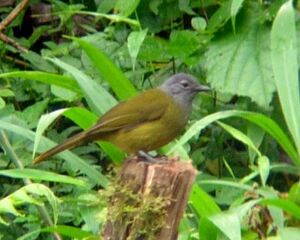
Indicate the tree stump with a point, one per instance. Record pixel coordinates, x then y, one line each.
148 200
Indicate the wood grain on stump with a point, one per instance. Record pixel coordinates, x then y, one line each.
149 200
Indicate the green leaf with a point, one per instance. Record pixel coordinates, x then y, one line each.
240 64
285 67
112 17
225 183
264 168
32 113
198 23
62 93
205 207
6 93
99 100
126 7
207 230
228 223
134 43
294 193
240 136
43 124
41 175
109 71
183 43
38 61
235 7
220 17
21 196
259 119
74 161
256 135
2 103
286 205
289 233
44 77
68 231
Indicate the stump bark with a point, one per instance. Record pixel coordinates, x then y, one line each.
148 200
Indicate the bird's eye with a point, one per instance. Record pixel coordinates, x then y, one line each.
184 83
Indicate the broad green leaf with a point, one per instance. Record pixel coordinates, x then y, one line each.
109 71
41 175
126 7
99 100
134 43
285 67
259 119
154 49
43 124
237 134
240 64
44 77
264 169
206 207
183 43
74 161
106 5
228 223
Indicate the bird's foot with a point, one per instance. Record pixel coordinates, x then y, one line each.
148 158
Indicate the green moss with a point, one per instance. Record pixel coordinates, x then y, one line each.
140 216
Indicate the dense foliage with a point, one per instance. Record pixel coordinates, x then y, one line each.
85 56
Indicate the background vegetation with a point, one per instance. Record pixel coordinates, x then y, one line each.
70 61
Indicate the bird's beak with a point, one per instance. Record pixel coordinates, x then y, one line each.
202 88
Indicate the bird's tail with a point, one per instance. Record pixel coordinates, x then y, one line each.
67 144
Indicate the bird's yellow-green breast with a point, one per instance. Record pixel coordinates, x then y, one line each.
157 120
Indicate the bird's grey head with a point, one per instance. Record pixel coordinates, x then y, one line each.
183 87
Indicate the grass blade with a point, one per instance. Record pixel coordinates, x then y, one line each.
259 119
99 100
41 175
44 77
109 71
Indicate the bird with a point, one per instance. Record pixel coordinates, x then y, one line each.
143 123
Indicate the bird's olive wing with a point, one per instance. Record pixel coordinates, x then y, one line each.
148 106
